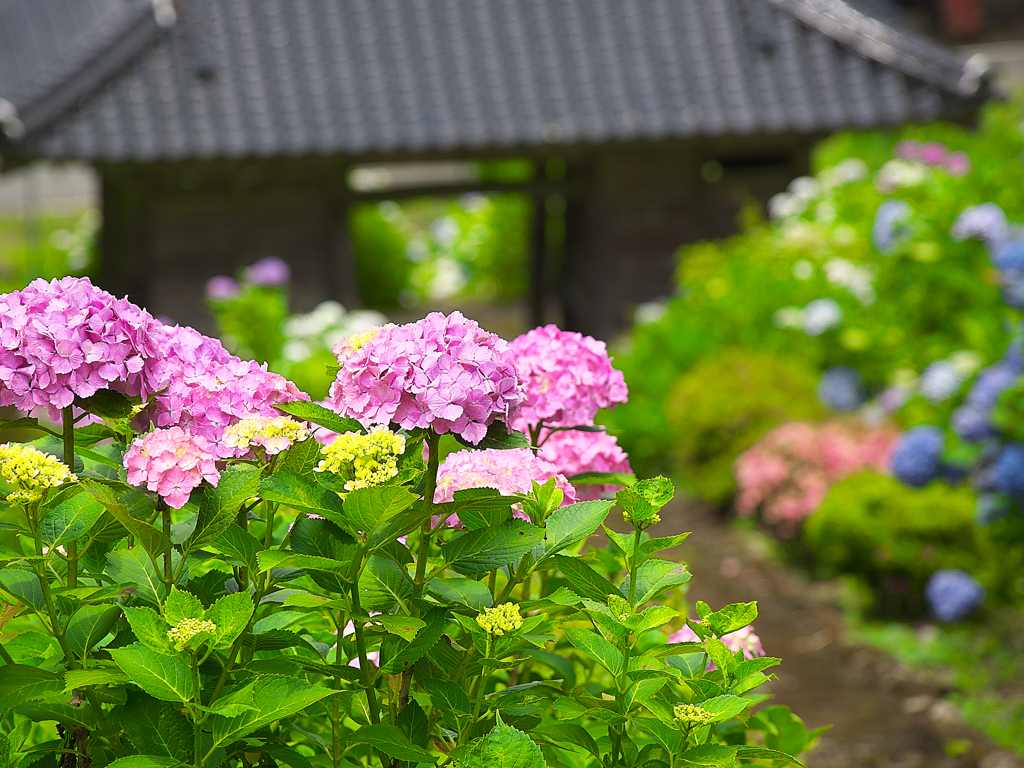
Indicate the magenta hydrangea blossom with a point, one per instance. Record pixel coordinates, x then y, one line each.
510 472
568 376
67 338
271 272
222 288
172 463
204 388
573 452
741 640
443 373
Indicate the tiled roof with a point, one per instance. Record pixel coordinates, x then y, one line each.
236 78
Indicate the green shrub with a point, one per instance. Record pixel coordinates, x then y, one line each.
894 537
725 404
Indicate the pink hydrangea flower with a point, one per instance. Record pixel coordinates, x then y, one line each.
443 373
788 472
204 388
171 462
67 338
573 452
271 272
510 472
222 288
742 639
568 376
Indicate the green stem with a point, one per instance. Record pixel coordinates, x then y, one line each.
69 459
339 623
268 536
492 582
480 689
165 518
632 567
197 729
5 655
364 664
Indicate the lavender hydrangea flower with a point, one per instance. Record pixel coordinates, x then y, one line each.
940 381
890 228
1008 470
821 315
972 420
917 458
953 594
271 272
985 222
841 388
989 508
222 288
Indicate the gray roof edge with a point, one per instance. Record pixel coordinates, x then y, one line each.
138 32
905 51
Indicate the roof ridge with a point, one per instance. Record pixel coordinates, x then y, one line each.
907 51
112 52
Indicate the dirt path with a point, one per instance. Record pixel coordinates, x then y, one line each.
883 716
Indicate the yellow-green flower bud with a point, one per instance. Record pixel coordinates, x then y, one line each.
372 458
187 629
500 619
691 714
31 472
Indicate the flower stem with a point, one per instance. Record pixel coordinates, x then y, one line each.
197 728
69 459
5 655
364 664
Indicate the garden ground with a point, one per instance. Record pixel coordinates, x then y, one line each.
884 714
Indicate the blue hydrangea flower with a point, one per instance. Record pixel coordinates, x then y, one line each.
1009 254
953 594
917 458
989 508
890 226
841 388
1011 287
985 222
972 420
1008 471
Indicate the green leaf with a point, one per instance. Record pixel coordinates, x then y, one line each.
488 549
456 589
405 627
273 698
82 678
150 629
317 414
725 707
240 545
64 714
450 699
301 458
595 647
89 625
145 761
24 585
25 422
732 617
657 490
720 654
370 508
752 666
763 753
573 523
182 605
709 755
70 519
390 740
637 509
652 618
603 478
585 581
20 683
413 722
107 404
397 655
277 558
560 734
478 508
503 747
669 738
651 546
322 538
642 690
383 584
118 504
231 614
219 505
499 438
162 677
306 495
654 577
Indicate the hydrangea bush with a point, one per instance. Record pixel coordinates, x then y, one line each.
190 579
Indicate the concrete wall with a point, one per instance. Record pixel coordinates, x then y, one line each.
48 188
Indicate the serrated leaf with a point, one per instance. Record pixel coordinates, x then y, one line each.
107 404
751 666
503 747
231 614
651 618
413 722
20 682
81 678
367 509
70 519
669 738
595 647
118 504
455 589
89 625
653 577
406 627
162 677
560 734
301 458
145 761
732 617
720 655
478 508
150 629
383 584
274 697
390 740
134 567
570 524
24 585
585 581
398 655
219 505
725 707
322 538
240 545
307 411
709 756
182 605
641 691
499 437
485 550
763 753
65 714
278 558
450 699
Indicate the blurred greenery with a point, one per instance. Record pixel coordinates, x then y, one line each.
46 246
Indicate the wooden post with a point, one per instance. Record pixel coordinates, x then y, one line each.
343 279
